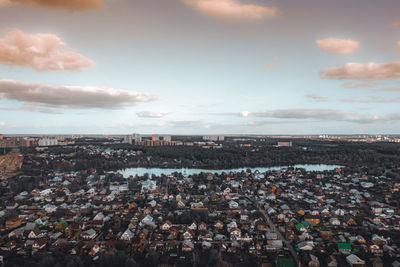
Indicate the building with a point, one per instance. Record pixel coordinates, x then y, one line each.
285 144
48 142
132 138
214 138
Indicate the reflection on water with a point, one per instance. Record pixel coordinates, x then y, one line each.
158 171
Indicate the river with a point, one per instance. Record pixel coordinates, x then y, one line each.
158 171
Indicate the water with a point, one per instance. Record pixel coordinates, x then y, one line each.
158 171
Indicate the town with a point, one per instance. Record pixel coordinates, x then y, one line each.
56 209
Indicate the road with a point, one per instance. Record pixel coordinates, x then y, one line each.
274 229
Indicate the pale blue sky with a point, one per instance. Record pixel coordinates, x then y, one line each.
206 69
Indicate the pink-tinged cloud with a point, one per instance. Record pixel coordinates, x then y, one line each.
73 97
70 5
398 45
360 71
316 97
42 52
232 9
395 24
277 61
338 46
358 85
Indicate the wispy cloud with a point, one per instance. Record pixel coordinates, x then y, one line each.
42 52
32 108
316 97
152 114
360 71
372 100
390 89
319 114
70 5
232 9
398 45
338 46
327 114
2 123
76 97
277 61
358 85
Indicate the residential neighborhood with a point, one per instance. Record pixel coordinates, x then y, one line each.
288 217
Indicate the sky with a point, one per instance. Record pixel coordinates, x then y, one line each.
199 67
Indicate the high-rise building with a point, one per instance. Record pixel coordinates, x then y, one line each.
132 138
213 138
48 142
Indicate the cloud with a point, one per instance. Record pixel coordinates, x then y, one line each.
277 61
2 123
75 97
398 45
372 100
394 24
316 97
232 9
70 5
338 46
152 114
358 85
391 89
317 114
42 52
32 108
326 114
360 71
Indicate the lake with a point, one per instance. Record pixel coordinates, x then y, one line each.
158 171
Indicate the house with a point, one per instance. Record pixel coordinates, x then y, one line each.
233 205
181 204
39 243
334 221
353 260
188 234
235 233
332 262
193 226
313 262
94 250
375 249
202 226
325 233
274 245
127 235
218 225
13 223
35 233
312 219
187 245
376 262
306 245
166 225
344 247
89 234
378 240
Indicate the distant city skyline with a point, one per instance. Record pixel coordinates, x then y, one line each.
204 67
